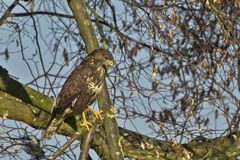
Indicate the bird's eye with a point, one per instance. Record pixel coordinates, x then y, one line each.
107 58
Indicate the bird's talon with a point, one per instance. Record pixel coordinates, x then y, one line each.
98 114
86 124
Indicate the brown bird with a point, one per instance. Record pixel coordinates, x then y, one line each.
80 90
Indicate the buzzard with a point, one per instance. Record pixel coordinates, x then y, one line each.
81 89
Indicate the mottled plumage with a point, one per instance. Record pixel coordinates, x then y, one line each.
81 88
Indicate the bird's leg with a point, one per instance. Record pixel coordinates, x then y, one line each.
85 123
97 114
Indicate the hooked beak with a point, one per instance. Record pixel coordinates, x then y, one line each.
109 63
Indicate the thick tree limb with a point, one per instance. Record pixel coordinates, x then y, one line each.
110 125
34 111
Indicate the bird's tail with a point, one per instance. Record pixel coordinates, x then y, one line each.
55 122
52 126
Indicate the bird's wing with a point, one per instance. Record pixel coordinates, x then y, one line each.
72 88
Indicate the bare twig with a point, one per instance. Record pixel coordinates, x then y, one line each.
85 145
65 146
7 12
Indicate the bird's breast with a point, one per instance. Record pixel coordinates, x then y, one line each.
95 82
94 86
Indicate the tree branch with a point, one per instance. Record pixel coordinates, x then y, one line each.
65 146
82 18
85 145
3 19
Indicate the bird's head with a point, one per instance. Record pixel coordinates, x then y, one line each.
103 57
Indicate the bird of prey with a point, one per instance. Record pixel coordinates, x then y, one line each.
81 89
